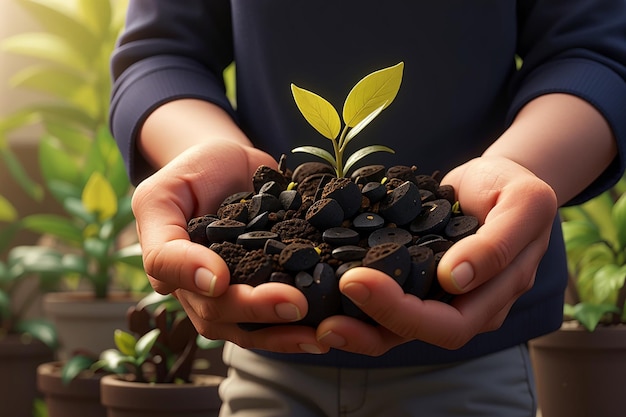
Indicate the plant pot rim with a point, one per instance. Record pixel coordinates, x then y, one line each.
89 296
65 303
86 385
573 335
116 391
19 344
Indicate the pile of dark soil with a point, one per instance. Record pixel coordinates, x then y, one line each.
307 227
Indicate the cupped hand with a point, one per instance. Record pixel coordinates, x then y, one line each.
488 271
194 184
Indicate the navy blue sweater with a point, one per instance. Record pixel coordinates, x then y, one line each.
460 90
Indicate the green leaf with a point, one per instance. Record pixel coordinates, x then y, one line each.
99 197
608 279
74 366
204 343
65 23
318 112
56 164
153 298
47 47
106 158
42 330
130 255
589 315
18 172
70 138
75 263
15 121
619 219
125 342
580 234
67 113
96 15
36 260
113 361
55 81
8 213
363 152
124 216
361 125
74 206
145 344
54 225
97 248
598 211
374 90
319 152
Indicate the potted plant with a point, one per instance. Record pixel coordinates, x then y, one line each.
159 348
87 250
25 341
580 367
151 370
92 245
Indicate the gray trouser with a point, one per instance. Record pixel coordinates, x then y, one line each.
496 385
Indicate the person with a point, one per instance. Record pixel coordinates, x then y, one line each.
521 104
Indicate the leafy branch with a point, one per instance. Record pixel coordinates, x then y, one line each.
367 99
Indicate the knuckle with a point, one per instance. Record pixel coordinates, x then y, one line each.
501 253
207 311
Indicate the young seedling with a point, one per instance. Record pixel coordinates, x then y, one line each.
366 100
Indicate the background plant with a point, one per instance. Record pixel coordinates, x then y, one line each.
595 240
13 318
78 159
370 96
160 345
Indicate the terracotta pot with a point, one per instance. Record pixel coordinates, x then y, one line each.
19 357
580 373
79 398
123 398
84 322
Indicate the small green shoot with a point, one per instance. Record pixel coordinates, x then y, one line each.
370 96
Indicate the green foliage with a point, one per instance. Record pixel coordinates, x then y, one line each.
160 346
370 96
70 71
12 315
97 202
79 161
595 240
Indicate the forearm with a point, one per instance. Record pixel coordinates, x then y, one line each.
562 139
178 125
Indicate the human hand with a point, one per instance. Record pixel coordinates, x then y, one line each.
193 184
488 270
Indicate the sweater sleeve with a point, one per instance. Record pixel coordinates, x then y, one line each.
169 50
576 47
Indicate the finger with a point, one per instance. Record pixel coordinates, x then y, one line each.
165 202
266 303
276 338
169 257
355 336
512 223
446 325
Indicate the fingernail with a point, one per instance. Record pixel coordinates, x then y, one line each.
287 311
205 281
462 275
332 339
308 348
358 293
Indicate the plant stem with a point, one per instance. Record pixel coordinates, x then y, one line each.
339 147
